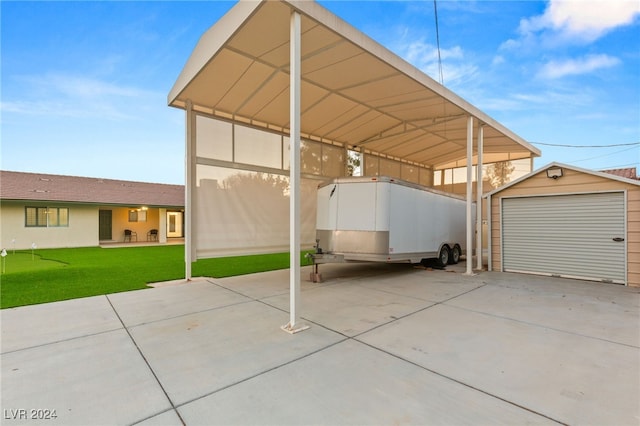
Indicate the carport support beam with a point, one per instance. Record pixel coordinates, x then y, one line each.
479 198
190 180
294 177
469 261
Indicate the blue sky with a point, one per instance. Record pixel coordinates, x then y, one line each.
84 84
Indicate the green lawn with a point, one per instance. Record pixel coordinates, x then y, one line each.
59 274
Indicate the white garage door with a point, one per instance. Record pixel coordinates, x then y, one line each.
578 236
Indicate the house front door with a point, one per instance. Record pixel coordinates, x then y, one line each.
104 225
174 224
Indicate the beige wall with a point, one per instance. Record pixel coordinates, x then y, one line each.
461 188
81 232
633 237
83 229
120 222
574 182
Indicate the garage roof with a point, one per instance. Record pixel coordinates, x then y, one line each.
602 174
355 92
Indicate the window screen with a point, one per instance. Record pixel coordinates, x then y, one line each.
137 215
257 147
46 216
214 139
35 216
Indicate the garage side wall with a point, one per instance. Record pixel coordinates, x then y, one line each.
633 237
573 182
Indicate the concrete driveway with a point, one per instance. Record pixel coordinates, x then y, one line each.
388 344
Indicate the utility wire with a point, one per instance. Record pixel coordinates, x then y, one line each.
603 155
587 146
619 166
435 9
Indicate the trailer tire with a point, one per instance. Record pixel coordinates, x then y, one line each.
443 256
454 257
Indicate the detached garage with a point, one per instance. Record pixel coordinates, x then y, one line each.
568 222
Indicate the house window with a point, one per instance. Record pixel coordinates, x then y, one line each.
46 216
35 216
137 215
58 216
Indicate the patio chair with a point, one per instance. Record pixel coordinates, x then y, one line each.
152 235
128 233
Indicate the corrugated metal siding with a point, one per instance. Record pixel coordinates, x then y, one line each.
566 235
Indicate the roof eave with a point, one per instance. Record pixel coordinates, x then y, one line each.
564 166
91 203
209 45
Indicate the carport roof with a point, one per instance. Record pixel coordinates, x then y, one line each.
355 92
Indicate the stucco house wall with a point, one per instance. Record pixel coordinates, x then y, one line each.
84 198
82 230
120 217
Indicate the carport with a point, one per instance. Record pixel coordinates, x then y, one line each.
277 76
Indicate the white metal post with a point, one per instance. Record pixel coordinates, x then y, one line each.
469 262
190 180
294 176
479 198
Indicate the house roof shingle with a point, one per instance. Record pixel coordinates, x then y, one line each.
75 189
629 173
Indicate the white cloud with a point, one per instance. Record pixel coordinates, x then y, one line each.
500 104
498 60
582 20
66 108
419 52
564 98
543 100
72 86
587 64
424 56
76 96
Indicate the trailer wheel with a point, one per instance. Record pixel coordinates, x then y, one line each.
443 256
455 255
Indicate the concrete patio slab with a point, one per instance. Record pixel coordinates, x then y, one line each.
387 343
428 285
606 312
257 286
352 383
143 306
168 418
93 380
37 325
273 283
336 272
195 355
349 308
573 379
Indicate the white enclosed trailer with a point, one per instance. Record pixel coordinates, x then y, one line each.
382 219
